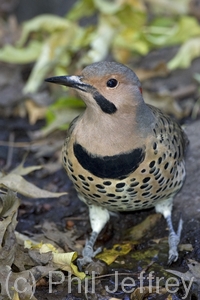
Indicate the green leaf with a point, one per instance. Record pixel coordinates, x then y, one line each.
30 53
81 9
59 119
167 31
63 103
188 51
43 23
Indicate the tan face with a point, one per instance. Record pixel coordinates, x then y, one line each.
116 88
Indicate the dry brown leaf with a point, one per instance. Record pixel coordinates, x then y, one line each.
192 274
160 70
64 239
140 230
24 281
17 183
141 293
35 111
166 102
8 214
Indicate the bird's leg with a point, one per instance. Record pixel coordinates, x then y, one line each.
99 216
165 208
174 239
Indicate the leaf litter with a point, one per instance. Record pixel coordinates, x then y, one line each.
14 181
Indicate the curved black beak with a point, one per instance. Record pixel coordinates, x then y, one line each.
70 81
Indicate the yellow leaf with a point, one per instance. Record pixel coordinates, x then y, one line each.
63 261
48 247
15 296
110 255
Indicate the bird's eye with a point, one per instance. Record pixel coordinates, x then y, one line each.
111 83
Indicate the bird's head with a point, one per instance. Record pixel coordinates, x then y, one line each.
108 86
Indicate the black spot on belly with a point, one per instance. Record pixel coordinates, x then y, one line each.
69 161
156 172
116 166
125 200
154 146
134 184
132 179
152 163
107 182
119 190
101 191
86 188
166 166
100 186
146 179
132 193
152 170
146 194
96 195
81 177
74 177
120 184
144 186
72 170
130 190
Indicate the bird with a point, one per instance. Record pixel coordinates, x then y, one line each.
121 154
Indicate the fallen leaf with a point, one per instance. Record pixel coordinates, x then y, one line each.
21 170
11 54
63 261
141 293
9 204
64 239
62 120
159 70
47 22
110 255
15 182
192 274
140 230
18 184
187 52
178 7
165 101
25 282
35 111
185 247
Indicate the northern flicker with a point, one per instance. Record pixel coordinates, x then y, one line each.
121 153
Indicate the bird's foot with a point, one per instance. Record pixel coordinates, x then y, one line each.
88 255
174 239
